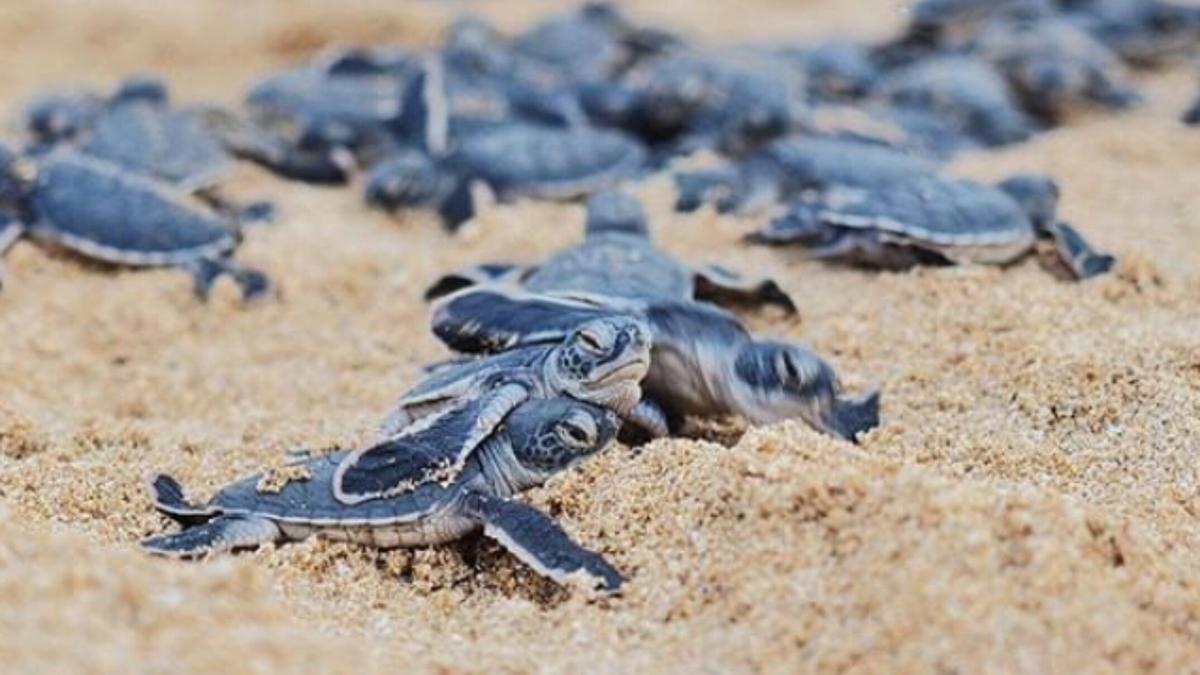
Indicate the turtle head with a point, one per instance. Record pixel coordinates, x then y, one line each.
145 88
613 211
58 117
409 179
780 381
549 435
603 361
1036 194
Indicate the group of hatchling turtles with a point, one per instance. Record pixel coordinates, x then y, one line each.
838 143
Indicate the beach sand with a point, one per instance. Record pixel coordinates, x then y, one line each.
1030 504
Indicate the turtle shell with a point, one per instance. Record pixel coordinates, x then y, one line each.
148 138
548 163
311 501
820 163
962 220
95 208
613 264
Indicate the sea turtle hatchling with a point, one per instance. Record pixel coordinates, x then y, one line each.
793 167
538 439
1056 67
934 220
703 362
140 131
601 362
617 259
96 209
1142 32
513 161
967 93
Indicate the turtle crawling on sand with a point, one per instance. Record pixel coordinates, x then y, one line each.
537 440
703 363
100 211
794 166
618 260
934 220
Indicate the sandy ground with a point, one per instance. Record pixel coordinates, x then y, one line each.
1029 505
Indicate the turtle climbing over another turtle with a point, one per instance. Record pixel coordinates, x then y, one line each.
601 361
796 166
618 260
1056 67
537 440
967 93
703 361
100 211
934 220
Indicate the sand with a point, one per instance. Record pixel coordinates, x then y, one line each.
1030 503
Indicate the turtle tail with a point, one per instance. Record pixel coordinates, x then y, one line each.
170 500
851 417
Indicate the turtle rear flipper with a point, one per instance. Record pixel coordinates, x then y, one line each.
219 535
539 542
171 500
206 271
1076 253
722 286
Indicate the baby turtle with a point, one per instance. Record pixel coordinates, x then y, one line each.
1142 32
96 209
793 167
1056 67
947 26
836 70
967 93
538 440
703 362
618 260
513 161
933 220
600 362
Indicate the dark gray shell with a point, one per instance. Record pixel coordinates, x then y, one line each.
615 265
817 163
1142 32
155 140
96 209
548 163
311 501
967 93
962 220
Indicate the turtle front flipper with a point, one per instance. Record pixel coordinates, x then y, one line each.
11 230
171 501
432 450
479 275
1076 253
649 418
206 271
722 286
487 320
219 535
539 542
851 417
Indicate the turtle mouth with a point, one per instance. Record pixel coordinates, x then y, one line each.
633 370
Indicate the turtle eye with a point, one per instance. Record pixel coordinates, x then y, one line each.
591 342
578 433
